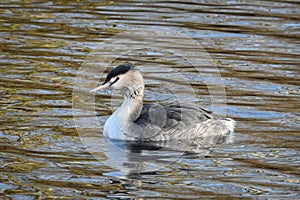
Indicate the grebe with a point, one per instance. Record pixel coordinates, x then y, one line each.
134 121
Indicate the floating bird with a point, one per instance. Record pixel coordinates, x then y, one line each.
164 121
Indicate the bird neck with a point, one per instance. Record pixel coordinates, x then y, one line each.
132 105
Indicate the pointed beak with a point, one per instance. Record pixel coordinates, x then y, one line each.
101 87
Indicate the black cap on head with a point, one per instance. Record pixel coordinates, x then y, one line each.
121 69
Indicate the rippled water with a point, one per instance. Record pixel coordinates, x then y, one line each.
253 44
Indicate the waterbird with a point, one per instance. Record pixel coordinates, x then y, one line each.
164 121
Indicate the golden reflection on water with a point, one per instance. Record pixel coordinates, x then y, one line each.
254 44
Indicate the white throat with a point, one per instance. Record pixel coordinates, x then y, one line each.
132 105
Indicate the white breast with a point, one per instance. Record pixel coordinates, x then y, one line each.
112 129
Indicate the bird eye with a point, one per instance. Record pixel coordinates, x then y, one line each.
116 79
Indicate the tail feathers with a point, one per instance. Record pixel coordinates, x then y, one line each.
218 131
230 124
228 135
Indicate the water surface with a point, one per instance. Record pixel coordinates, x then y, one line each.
255 46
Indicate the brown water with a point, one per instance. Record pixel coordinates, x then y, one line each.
253 44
